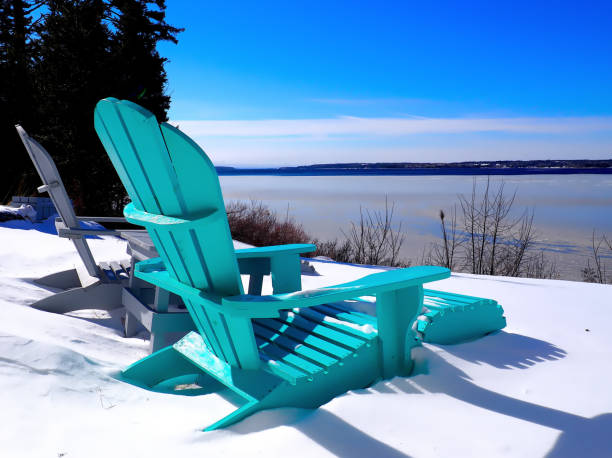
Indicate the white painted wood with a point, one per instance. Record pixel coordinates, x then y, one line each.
101 296
52 184
66 279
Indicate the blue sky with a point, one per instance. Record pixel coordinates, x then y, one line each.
282 83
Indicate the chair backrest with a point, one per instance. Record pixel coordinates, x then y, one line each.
53 185
166 173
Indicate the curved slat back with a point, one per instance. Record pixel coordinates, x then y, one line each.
136 148
50 177
45 166
166 173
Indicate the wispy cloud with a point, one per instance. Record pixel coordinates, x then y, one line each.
372 101
354 126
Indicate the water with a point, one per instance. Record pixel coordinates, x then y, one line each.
567 208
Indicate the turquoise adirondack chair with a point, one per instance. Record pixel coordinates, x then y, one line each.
291 348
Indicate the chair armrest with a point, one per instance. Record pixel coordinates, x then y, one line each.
77 233
146 219
281 261
154 271
366 286
103 219
245 305
275 250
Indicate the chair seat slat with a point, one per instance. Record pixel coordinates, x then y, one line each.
334 323
312 326
277 353
294 346
323 345
337 311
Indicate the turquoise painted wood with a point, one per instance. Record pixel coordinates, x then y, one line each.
450 318
281 262
291 348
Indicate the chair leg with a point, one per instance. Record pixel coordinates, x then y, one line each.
65 279
255 283
286 273
169 363
396 311
161 300
242 412
158 341
102 296
132 326
162 365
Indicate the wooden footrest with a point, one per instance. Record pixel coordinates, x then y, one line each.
450 318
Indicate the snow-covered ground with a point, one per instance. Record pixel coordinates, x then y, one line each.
541 387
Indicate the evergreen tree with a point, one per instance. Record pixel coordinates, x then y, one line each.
139 25
16 96
72 74
84 50
89 50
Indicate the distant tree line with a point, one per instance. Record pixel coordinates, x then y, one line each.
487 166
57 59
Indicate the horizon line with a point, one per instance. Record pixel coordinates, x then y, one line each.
321 164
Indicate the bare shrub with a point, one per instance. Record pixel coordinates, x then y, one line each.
445 254
597 273
340 251
513 253
496 243
258 225
486 239
373 240
540 266
589 274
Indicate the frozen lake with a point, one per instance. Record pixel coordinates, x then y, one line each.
567 208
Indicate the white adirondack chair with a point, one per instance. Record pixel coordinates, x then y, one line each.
92 286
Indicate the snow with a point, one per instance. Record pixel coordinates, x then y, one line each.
541 387
22 212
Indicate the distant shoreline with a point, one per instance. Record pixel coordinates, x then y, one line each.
296 171
532 167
